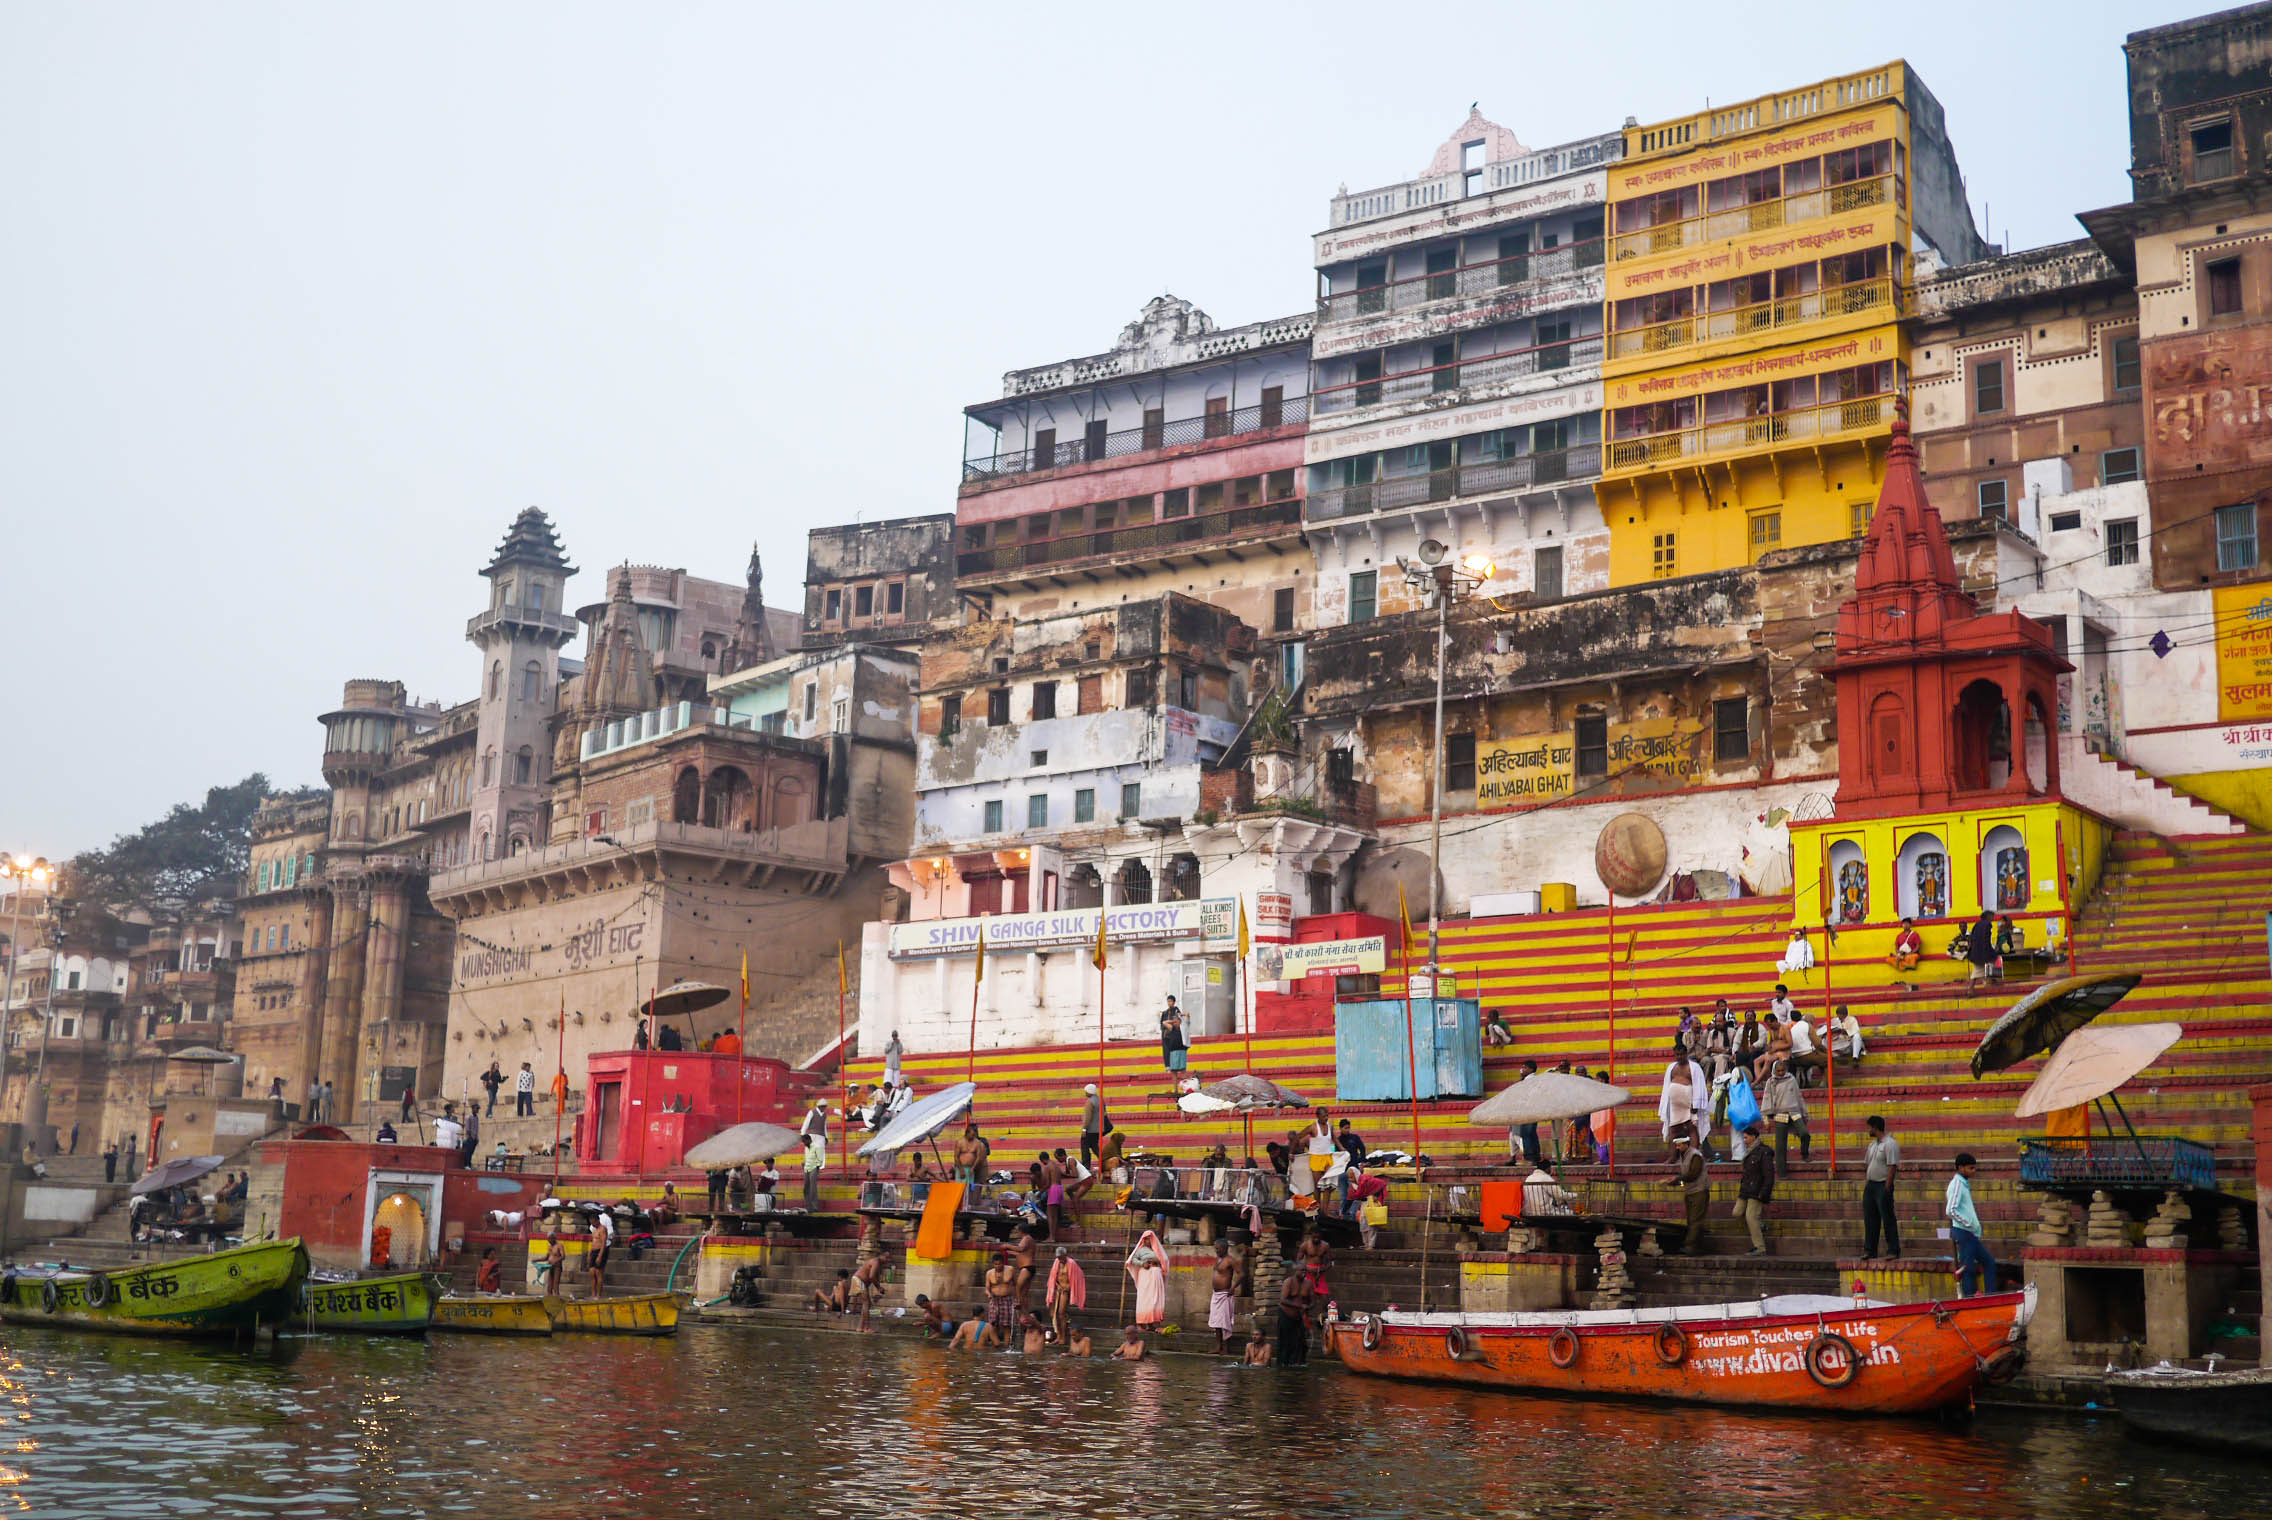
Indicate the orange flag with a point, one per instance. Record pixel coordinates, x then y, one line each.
842 985
1096 957
1404 913
1246 941
745 978
981 976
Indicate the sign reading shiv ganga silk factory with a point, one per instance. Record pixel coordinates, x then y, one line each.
1213 921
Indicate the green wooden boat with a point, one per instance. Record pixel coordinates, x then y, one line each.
399 1305
232 1292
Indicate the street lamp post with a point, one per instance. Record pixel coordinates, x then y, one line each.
19 874
1448 581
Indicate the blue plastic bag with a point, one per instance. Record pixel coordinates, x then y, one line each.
1743 1108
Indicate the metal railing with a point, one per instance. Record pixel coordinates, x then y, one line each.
1481 478
1466 280
1745 434
1759 216
1227 423
1488 370
1859 299
1137 539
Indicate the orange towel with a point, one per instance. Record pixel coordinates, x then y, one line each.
1502 1204
2068 1123
935 1236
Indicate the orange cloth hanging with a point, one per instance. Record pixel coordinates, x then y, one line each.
2068 1123
935 1236
1502 1204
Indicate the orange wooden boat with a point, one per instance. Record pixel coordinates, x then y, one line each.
1798 1351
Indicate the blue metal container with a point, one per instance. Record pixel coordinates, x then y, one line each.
1370 1053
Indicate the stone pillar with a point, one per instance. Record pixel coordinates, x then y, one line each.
307 1065
343 992
384 941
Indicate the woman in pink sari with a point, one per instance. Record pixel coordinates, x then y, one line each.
1068 1290
1147 1267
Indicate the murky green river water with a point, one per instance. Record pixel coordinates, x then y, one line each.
764 1423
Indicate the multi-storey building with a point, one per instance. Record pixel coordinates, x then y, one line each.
1170 463
1456 372
880 583
2196 236
1759 262
1117 759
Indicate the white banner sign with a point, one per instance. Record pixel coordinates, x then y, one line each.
1330 957
1213 921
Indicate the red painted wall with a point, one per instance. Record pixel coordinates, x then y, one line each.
326 1183
650 1137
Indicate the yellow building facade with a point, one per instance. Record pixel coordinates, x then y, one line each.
1759 260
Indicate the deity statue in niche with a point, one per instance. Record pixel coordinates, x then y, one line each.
1853 892
2011 878
1932 885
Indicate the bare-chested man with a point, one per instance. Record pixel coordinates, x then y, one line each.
1257 1349
1108 1155
1052 1187
1131 1347
1078 1343
1311 1262
1036 1342
970 1161
1222 1301
1022 1258
1001 1298
867 1281
974 1333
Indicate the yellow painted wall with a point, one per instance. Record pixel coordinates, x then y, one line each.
2247 795
2043 826
1710 517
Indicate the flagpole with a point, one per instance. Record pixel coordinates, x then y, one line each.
1612 960
1412 1060
844 1143
1099 959
559 1103
1829 1046
1245 973
971 1075
741 1038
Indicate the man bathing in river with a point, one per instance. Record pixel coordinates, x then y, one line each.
1078 1344
1131 1347
1257 1349
1222 1302
975 1333
1035 1341
1001 1299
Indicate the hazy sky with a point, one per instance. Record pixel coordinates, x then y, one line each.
300 304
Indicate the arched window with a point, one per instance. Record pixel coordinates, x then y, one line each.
686 796
1921 877
2004 882
532 680
524 766
1850 881
496 678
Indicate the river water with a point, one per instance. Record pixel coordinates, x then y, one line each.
776 1422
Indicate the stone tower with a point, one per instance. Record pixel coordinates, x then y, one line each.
520 638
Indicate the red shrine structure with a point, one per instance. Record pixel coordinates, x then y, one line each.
1948 800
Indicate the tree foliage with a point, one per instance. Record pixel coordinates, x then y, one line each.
193 854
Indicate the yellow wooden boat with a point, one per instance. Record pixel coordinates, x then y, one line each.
233 1292
493 1314
633 1314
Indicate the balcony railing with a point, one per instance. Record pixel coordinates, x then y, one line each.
1863 298
1140 539
556 624
1482 478
1742 435
1142 440
1467 280
1760 216
1415 383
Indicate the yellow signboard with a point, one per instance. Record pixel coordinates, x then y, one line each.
2244 652
1746 155
1798 242
1842 352
1541 767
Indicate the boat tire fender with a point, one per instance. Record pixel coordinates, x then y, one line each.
1457 1346
1562 1347
1371 1338
96 1289
1820 1365
1672 1345
2004 1365
48 1297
